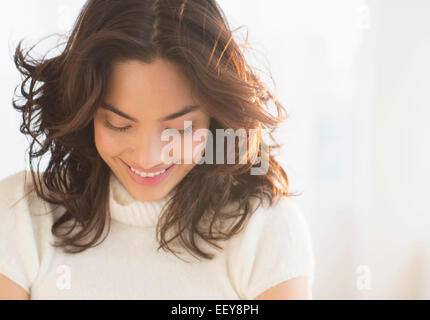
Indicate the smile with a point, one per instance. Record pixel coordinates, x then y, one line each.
152 178
151 174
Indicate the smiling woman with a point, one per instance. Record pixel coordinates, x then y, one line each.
153 97
131 70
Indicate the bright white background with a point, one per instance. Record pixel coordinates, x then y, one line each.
354 76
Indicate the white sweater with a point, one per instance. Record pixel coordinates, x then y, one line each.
274 246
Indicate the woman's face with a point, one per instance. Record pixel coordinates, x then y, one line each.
142 100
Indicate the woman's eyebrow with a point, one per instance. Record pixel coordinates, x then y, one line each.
117 111
185 110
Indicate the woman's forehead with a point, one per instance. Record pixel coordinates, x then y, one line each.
157 89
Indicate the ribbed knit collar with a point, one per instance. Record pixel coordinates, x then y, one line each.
126 209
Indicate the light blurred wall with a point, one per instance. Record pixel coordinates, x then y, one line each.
30 20
394 237
354 78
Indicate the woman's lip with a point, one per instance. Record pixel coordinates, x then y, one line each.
148 180
146 171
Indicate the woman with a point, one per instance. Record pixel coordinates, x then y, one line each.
131 112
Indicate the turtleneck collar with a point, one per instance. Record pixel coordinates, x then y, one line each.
126 209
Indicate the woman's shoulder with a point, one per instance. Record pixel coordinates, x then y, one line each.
275 245
15 186
18 198
284 213
24 229
277 223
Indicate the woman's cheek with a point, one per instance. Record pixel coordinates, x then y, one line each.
108 142
193 149
187 148
180 150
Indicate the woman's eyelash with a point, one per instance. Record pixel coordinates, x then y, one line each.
185 130
122 129
116 128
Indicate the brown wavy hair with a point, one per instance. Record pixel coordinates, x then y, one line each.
57 114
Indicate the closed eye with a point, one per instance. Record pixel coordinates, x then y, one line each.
122 129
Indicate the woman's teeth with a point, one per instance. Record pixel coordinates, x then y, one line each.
148 175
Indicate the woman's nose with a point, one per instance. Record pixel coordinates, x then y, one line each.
148 150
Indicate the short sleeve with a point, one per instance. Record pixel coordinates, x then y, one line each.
18 248
275 246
